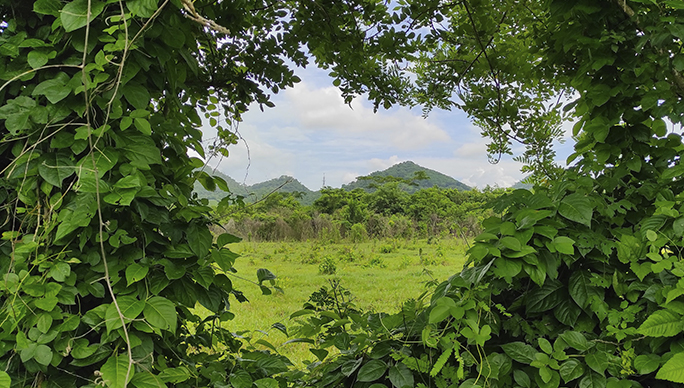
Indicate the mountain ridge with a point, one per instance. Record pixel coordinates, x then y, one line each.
287 184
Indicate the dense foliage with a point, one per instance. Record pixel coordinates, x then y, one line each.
387 212
105 252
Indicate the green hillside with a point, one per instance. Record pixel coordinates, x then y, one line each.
407 170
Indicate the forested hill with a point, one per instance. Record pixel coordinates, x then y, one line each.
407 170
284 184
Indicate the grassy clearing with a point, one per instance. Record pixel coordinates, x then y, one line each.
380 274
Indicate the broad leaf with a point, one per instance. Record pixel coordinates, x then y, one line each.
115 369
520 352
545 298
76 14
400 376
570 370
160 313
576 207
147 380
5 380
581 289
135 273
662 323
673 370
371 371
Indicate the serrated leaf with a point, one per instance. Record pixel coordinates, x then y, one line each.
662 323
576 207
114 371
371 371
160 313
673 370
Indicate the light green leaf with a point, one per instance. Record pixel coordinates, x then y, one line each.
662 323
597 361
5 380
161 313
646 363
75 14
130 307
593 380
54 89
147 380
175 375
564 245
137 95
673 370
371 371
266 383
43 355
47 303
576 340
143 126
114 371
37 58
576 207
135 273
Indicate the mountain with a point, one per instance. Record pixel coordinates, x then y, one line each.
284 184
407 170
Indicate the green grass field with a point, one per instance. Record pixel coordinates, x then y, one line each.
380 274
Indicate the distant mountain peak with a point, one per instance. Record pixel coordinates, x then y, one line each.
407 170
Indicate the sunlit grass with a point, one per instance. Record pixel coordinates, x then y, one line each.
379 281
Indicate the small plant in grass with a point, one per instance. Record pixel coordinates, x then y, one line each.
328 266
376 262
350 255
358 233
387 248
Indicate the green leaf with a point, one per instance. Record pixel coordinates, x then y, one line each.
570 370
137 95
351 366
238 379
576 340
143 126
522 378
520 352
567 312
673 370
175 375
199 240
114 371
54 89
130 307
266 383
545 345
597 361
75 14
544 298
47 7
662 323
43 355
581 290
160 313
5 380
48 303
147 380
400 376
646 363
263 274
135 273
576 207
593 380
371 371
37 58
511 243
55 169
441 309
227 238
564 245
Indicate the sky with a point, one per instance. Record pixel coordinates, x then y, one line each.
312 135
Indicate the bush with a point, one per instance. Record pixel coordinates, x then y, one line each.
328 266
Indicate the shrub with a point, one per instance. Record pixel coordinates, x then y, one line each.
328 266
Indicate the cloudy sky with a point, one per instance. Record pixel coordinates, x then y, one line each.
312 134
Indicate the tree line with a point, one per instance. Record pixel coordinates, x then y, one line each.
359 215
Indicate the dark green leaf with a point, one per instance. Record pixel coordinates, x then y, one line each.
545 298
646 363
199 240
76 14
520 352
400 376
371 371
160 313
263 274
570 370
47 7
145 379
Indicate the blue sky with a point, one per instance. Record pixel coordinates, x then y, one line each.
311 133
